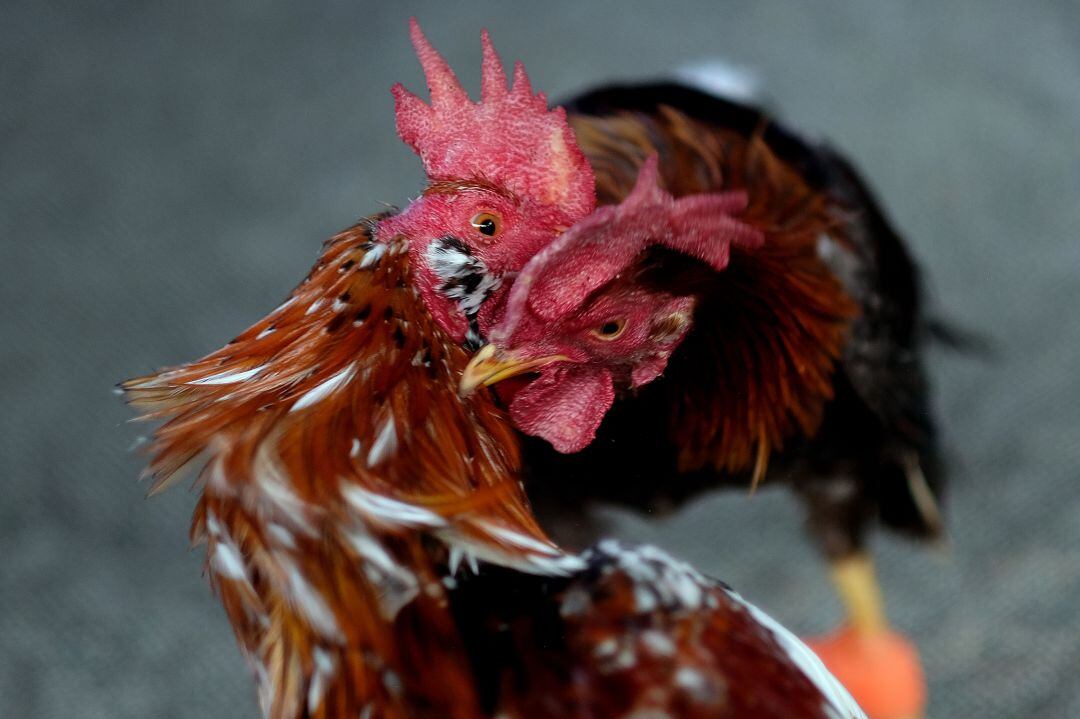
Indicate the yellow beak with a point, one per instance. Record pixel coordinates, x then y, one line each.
489 366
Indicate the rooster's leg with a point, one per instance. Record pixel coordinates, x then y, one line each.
856 583
878 666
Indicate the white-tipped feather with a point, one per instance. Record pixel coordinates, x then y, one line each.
230 377
389 512
325 667
324 389
385 443
840 704
307 600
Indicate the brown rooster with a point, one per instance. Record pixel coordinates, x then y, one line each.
334 448
344 480
798 363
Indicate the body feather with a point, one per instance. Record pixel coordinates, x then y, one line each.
339 467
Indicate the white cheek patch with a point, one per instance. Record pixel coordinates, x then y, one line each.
465 278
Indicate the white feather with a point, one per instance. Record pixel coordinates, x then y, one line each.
385 443
324 388
387 511
325 666
230 377
722 79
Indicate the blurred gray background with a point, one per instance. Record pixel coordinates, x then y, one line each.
169 170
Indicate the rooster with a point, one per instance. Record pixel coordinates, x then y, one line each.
345 481
798 363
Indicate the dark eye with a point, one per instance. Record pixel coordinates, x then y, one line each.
610 330
487 223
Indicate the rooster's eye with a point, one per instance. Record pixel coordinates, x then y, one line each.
610 330
486 223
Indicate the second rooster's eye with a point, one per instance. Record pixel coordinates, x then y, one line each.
610 330
486 223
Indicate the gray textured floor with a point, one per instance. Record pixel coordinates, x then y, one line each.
167 173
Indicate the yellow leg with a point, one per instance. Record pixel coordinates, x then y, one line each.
860 593
878 666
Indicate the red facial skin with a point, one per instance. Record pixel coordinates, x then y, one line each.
567 402
524 228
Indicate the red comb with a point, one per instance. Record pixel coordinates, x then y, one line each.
596 249
509 137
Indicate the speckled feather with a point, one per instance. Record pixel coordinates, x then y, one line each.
637 634
334 449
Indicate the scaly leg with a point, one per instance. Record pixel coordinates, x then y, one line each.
879 667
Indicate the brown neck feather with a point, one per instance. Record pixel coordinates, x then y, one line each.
757 367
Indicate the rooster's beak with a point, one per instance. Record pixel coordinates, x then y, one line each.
490 365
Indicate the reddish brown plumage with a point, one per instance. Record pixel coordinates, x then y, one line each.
331 559
279 506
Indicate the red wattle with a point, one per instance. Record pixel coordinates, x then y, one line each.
564 405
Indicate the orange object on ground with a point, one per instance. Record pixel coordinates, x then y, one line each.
881 670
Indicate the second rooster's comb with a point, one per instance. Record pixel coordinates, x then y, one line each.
509 137
596 249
